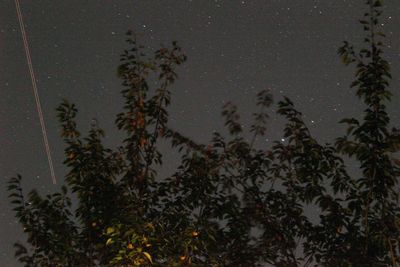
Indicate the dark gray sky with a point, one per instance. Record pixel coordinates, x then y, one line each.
235 49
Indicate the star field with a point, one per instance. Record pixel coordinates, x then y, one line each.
235 49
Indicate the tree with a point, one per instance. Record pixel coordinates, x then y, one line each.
229 203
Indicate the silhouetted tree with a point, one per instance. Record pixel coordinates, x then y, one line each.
229 203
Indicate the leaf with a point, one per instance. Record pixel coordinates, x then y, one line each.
147 255
109 241
150 226
110 230
142 142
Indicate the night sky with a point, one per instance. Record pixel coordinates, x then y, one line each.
235 49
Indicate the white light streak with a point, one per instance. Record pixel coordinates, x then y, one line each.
35 91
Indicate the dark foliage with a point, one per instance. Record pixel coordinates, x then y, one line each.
229 203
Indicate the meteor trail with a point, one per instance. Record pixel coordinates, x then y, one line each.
35 91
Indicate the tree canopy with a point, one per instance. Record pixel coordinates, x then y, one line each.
229 202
